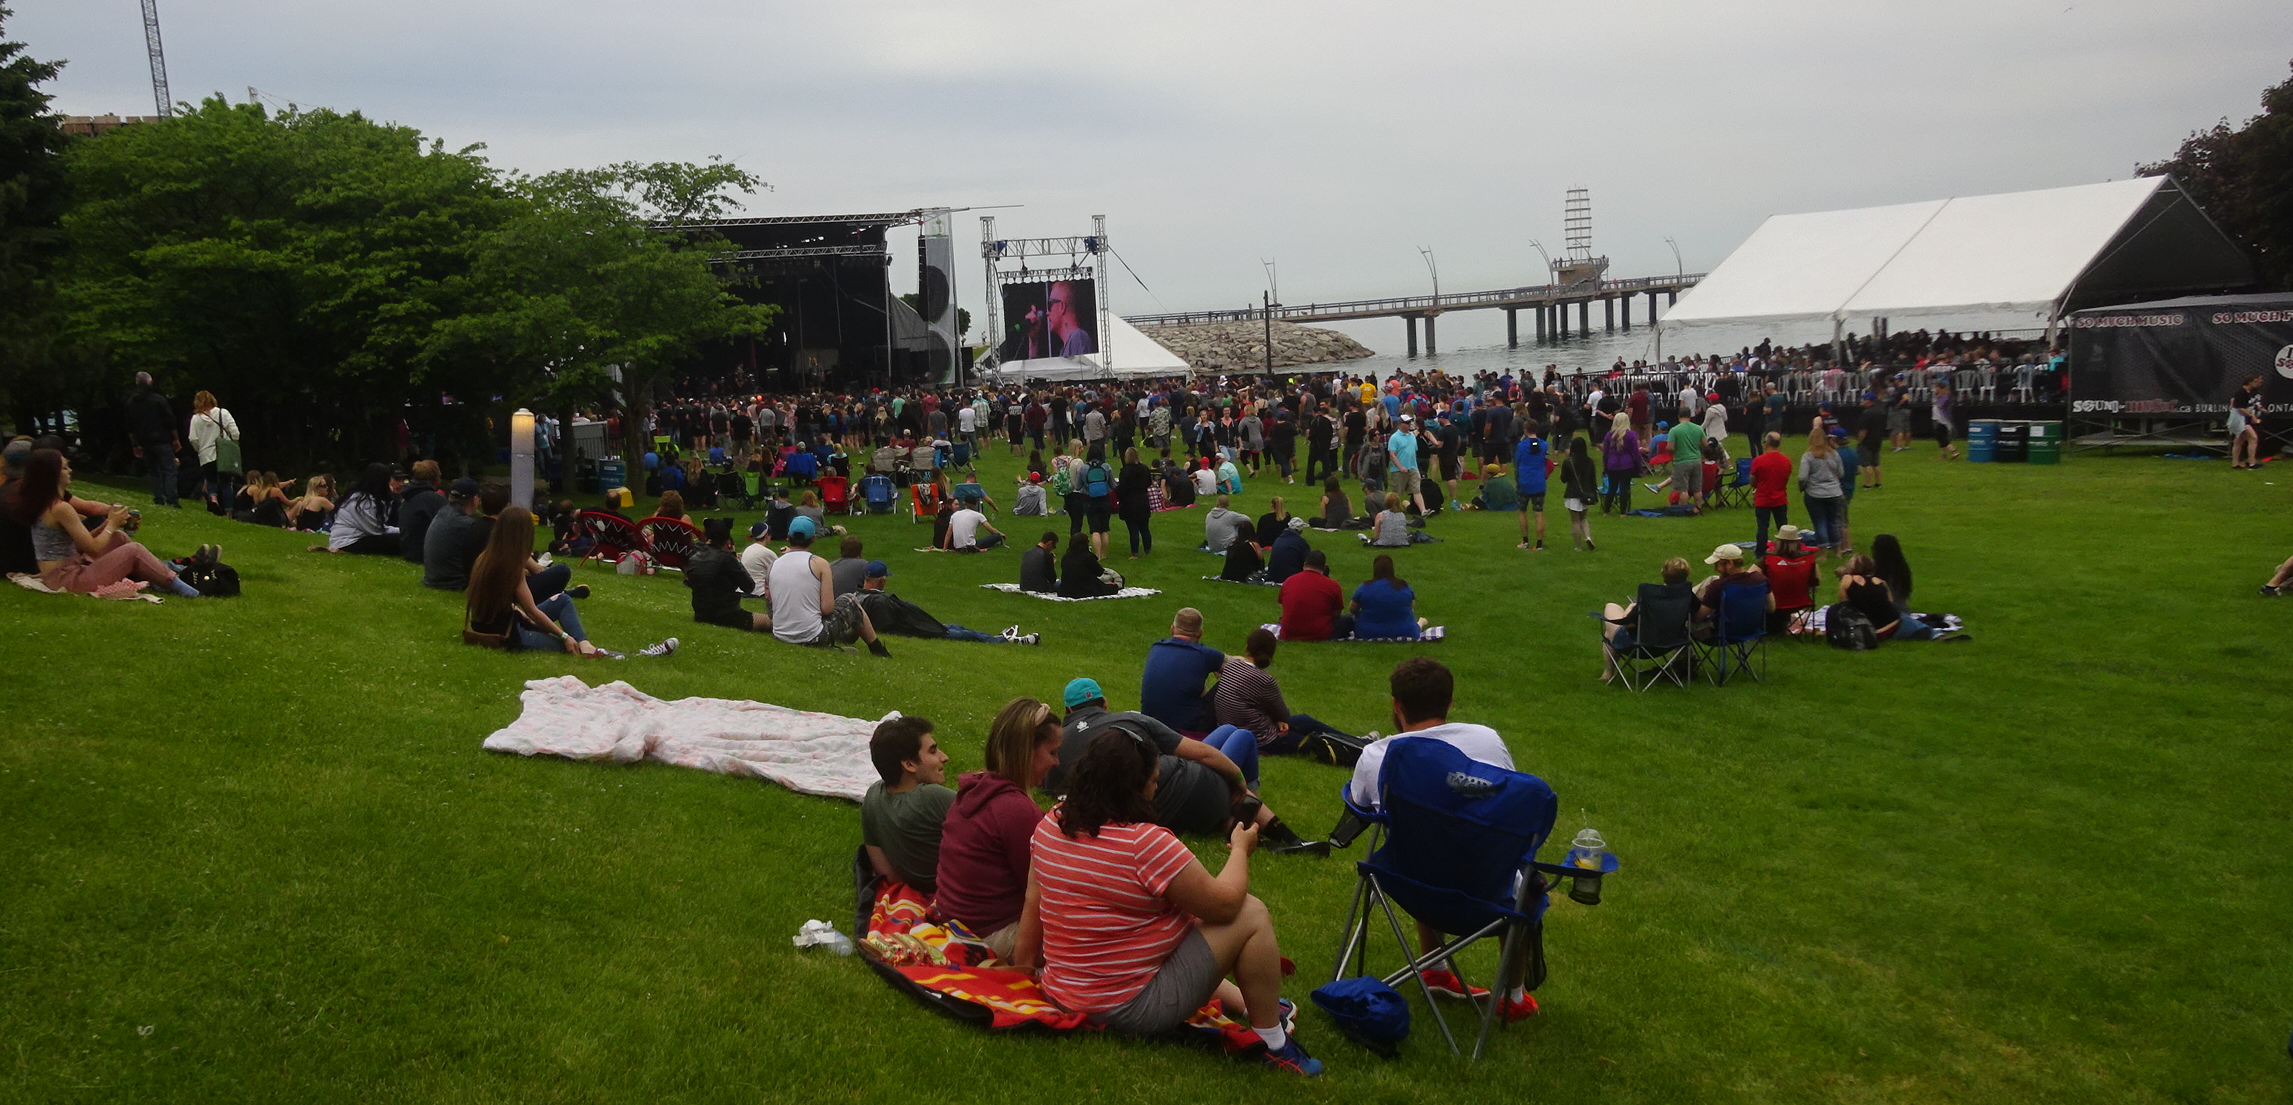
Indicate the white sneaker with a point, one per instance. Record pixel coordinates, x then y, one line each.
1026 639
666 647
1010 632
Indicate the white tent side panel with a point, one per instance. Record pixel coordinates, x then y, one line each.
2015 253
1802 266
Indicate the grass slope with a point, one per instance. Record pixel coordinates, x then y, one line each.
254 852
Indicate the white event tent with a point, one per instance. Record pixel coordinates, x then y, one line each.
2017 260
1123 352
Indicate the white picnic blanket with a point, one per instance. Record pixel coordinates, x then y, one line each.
129 590
807 752
1125 593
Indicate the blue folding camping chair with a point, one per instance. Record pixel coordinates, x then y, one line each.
1455 848
876 490
1738 645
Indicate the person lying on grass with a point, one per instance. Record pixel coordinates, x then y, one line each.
1201 788
500 603
890 613
1134 932
1422 689
987 837
900 815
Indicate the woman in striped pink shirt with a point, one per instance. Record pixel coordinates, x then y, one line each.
1131 928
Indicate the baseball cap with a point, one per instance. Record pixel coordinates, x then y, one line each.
462 488
1729 551
1408 417
803 525
877 569
1082 689
758 531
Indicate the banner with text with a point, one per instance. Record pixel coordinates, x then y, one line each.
2181 357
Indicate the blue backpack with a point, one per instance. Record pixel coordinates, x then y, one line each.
1097 481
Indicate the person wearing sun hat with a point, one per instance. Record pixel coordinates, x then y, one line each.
1728 561
1790 570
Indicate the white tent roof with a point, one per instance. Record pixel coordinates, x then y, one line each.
1133 354
1989 262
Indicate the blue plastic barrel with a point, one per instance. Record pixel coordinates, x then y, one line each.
612 472
1982 440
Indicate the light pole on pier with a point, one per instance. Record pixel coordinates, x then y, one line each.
1427 253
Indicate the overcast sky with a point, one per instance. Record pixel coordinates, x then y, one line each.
1337 136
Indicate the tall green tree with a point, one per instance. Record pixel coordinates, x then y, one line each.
31 235
295 265
587 290
2243 177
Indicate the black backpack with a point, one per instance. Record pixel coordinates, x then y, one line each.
1846 627
213 581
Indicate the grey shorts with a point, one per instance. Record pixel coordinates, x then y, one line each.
1401 481
840 625
1688 477
1179 987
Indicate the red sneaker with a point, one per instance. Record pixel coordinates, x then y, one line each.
1448 985
1519 1010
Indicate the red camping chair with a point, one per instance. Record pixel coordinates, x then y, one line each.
615 536
672 540
836 494
923 499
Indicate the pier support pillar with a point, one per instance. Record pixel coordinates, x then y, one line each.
1624 311
1608 314
1652 308
1559 315
1671 298
1430 349
1542 328
1410 322
1583 316
1512 328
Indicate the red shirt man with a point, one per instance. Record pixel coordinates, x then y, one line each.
1311 601
1771 476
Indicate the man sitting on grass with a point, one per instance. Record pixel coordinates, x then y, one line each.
890 613
1422 688
805 609
1197 786
1039 565
900 816
1171 688
718 581
1224 525
964 532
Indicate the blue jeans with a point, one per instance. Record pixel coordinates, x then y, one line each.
549 581
159 468
958 633
559 607
1240 746
1780 515
1823 514
1910 628
1301 727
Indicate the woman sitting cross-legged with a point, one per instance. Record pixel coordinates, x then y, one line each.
499 605
362 518
986 840
1131 929
70 557
1384 608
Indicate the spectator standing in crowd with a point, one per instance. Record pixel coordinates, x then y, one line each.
1133 500
1941 410
1621 458
215 437
1771 480
155 438
1871 441
1529 481
1580 484
1820 472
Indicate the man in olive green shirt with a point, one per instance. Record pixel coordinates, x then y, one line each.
1688 462
900 816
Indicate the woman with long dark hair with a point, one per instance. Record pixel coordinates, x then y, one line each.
70 557
1132 930
499 605
362 519
1384 607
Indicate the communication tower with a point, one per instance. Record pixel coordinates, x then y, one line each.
1577 265
165 102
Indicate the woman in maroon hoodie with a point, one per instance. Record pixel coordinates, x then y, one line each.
984 855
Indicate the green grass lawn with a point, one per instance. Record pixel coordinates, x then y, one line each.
253 850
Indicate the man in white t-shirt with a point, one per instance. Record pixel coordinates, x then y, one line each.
758 558
966 425
806 609
964 531
1422 688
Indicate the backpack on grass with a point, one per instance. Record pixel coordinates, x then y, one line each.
1846 627
212 581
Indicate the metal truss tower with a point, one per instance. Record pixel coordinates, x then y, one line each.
159 94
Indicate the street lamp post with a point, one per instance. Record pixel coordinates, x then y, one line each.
521 458
1435 270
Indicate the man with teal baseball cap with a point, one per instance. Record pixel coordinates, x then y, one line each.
806 610
1198 789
